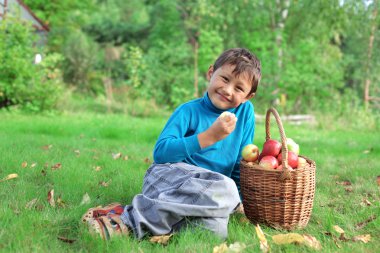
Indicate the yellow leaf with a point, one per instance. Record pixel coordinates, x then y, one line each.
116 156
312 242
10 176
160 239
338 229
24 164
362 238
97 168
263 241
51 197
236 247
222 248
33 165
288 238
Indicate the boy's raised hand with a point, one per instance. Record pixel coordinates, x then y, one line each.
220 129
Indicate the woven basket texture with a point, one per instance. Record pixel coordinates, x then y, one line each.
282 199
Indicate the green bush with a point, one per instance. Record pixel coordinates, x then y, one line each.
35 87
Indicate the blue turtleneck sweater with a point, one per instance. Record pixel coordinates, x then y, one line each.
178 141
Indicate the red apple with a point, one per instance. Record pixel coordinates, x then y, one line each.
250 153
271 148
292 159
279 167
269 162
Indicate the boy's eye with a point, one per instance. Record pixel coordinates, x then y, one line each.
225 79
240 89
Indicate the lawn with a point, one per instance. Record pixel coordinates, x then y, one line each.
75 154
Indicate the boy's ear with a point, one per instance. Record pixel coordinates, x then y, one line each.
251 95
210 72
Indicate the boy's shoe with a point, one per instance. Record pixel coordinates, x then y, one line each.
107 226
95 212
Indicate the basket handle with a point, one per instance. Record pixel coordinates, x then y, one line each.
286 168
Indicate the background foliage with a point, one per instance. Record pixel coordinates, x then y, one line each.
314 53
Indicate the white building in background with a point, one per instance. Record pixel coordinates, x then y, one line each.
18 7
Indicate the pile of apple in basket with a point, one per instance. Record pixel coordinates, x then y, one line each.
271 156
277 185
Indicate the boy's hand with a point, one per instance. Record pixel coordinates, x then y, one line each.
220 129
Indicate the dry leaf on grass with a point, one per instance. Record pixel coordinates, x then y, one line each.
312 242
222 248
64 239
33 165
345 182
362 238
50 198
147 160
236 247
105 184
47 147
116 156
378 180
31 203
9 177
264 246
366 202
125 158
97 168
85 199
362 224
341 232
160 239
56 166
77 152
24 164
60 202
288 238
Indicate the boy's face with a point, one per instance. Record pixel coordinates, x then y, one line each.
226 90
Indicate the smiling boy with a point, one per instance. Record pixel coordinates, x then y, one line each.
195 177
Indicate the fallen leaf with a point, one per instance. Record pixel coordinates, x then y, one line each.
338 229
264 246
97 168
366 151
348 189
31 203
288 238
378 180
105 184
85 199
116 156
9 177
64 239
312 242
60 202
236 247
56 166
24 164
47 147
160 239
147 160
77 152
244 220
222 248
362 238
125 158
51 197
33 165
345 182
362 224
366 202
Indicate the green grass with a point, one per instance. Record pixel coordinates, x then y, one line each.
338 154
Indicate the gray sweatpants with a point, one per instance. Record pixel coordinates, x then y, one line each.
174 192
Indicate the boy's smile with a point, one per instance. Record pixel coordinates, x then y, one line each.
226 90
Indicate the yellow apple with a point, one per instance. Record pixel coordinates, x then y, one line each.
250 153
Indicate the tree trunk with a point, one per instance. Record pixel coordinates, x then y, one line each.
196 69
367 72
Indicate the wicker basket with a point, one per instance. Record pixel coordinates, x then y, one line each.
278 198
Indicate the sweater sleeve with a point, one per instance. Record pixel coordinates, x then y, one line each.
172 145
248 136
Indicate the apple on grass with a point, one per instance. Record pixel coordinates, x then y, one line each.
292 159
271 148
269 162
250 153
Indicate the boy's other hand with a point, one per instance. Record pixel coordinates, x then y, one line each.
220 129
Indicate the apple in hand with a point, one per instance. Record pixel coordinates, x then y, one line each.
293 146
292 159
250 153
271 148
269 162
301 162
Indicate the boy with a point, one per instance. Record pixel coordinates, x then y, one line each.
195 176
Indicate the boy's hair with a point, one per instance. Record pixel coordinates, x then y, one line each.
244 62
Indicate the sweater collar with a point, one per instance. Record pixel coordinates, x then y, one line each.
211 106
